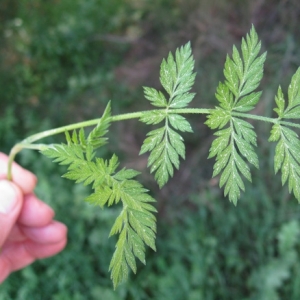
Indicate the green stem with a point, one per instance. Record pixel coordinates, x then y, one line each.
117 118
255 117
27 143
190 111
141 113
289 124
265 119
16 149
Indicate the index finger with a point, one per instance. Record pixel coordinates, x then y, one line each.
22 177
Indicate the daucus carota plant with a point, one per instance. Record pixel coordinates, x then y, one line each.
233 147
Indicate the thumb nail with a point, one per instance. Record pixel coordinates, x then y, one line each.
8 197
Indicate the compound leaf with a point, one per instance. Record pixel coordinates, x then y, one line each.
226 148
165 144
177 78
136 224
236 138
112 187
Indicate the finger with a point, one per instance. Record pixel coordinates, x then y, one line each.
20 257
16 235
22 177
11 200
17 255
45 250
14 257
50 234
35 213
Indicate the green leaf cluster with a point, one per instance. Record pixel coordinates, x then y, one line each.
165 144
234 145
136 224
287 151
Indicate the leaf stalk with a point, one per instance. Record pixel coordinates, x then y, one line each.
28 142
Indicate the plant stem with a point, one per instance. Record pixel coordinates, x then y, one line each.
265 119
27 143
255 117
141 113
290 124
16 149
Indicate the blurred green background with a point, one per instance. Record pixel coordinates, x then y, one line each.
61 61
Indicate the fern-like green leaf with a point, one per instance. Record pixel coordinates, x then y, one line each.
165 144
136 224
177 78
236 138
229 148
287 151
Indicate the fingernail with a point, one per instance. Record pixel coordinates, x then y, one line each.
8 197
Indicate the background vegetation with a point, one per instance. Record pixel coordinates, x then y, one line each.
62 60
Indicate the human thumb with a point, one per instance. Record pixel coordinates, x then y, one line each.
10 206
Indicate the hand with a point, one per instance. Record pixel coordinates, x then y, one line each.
27 229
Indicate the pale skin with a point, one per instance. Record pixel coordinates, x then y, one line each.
27 229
